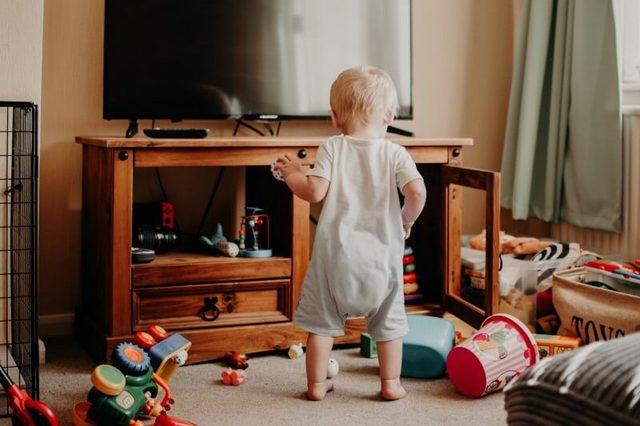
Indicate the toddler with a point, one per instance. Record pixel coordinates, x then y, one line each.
356 266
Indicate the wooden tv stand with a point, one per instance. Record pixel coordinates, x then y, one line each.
120 298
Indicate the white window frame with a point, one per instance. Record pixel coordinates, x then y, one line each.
627 16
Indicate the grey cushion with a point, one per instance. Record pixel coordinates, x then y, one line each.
598 384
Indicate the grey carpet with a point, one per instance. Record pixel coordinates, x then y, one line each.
273 394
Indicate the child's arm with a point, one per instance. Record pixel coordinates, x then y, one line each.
415 195
310 188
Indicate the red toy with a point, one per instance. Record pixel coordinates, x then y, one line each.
165 420
158 333
26 411
144 340
236 360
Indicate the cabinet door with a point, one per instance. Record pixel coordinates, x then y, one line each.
452 179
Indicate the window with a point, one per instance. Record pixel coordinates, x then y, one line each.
627 14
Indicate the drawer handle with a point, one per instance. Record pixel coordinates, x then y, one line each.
227 301
302 153
210 310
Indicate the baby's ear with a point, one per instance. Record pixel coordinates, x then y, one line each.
334 120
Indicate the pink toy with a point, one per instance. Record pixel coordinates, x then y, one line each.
500 351
233 377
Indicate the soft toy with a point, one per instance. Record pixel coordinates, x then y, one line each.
479 242
218 244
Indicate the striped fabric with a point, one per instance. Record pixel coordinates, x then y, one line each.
598 384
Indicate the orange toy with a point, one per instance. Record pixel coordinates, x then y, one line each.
236 360
233 377
144 340
158 333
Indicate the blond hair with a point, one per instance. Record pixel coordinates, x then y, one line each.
360 92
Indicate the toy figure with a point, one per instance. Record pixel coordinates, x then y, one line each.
249 234
295 351
236 360
233 377
218 244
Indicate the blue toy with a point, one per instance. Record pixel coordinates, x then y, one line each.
250 233
218 244
425 348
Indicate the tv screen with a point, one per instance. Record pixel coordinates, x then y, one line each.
183 59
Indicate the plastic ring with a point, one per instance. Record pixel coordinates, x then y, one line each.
108 379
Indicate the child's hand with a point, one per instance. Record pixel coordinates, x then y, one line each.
406 229
288 166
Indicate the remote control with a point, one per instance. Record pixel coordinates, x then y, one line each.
142 255
177 133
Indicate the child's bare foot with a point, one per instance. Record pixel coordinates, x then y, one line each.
392 390
317 391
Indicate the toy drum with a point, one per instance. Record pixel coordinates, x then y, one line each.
500 351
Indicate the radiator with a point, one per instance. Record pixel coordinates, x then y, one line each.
626 245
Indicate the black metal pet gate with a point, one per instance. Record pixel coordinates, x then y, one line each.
18 246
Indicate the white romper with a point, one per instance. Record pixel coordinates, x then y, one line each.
356 266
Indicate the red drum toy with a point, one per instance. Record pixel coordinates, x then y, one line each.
500 351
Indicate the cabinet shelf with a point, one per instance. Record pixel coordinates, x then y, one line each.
186 267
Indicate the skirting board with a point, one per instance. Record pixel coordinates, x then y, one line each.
56 325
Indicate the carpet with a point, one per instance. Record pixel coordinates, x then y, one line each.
274 393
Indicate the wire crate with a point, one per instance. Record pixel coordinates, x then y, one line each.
18 246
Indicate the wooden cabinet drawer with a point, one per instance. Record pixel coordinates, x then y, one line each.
212 305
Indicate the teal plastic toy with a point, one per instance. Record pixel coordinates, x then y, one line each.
368 346
425 348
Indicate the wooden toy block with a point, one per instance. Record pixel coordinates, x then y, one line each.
549 345
368 346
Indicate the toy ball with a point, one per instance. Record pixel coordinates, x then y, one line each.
233 377
295 351
277 174
181 358
332 368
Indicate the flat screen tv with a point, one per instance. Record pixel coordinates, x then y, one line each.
269 59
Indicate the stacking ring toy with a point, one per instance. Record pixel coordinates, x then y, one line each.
108 380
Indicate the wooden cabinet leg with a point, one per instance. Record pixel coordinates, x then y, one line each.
121 210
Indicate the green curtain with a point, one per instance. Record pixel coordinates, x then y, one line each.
563 150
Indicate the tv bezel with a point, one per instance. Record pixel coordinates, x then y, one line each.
264 116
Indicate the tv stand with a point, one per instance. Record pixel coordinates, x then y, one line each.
132 130
120 298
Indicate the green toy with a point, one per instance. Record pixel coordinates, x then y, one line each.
127 389
125 406
368 346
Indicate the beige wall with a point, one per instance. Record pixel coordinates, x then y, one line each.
462 66
20 80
